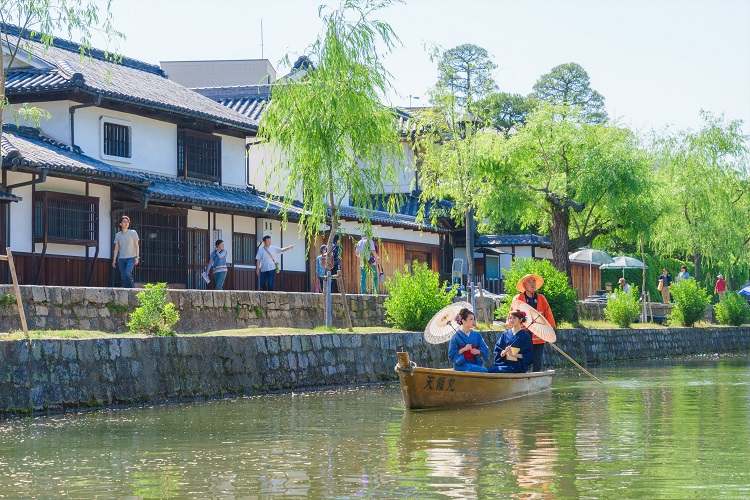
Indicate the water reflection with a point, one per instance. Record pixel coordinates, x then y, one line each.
662 430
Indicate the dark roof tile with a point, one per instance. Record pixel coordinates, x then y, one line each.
129 81
506 240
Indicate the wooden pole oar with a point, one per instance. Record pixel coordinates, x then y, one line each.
574 362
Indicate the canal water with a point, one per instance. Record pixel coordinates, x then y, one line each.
678 429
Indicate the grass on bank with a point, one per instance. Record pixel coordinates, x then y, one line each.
257 332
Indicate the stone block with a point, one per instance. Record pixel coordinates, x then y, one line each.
38 293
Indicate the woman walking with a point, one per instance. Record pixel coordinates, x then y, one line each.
126 254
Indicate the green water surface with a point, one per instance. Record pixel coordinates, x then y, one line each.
677 429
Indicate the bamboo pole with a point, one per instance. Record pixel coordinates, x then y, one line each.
17 291
575 363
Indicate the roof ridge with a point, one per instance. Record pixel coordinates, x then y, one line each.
102 55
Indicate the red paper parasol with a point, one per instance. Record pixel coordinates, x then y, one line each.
535 322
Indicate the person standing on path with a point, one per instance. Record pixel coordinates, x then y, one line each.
321 266
336 255
367 254
665 282
266 265
624 284
721 287
683 275
127 252
218 262
528 285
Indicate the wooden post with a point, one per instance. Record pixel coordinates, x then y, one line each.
16 290
650 309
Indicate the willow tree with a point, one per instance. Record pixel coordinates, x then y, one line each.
452 139
704 187
329 133
44 18
580 180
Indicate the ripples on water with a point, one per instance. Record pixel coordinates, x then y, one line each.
661 430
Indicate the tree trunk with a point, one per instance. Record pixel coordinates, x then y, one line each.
329 266
697 262
560 241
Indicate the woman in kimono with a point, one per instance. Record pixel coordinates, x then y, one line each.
467 349
513 352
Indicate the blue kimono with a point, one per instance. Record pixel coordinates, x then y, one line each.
522 340
466 361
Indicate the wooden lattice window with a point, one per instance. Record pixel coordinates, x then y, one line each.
198 155
243 249
66 218
161 234
116 140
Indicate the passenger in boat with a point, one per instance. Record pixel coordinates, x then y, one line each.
507 358
467 349
528 285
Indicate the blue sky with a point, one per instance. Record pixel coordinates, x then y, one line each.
656 62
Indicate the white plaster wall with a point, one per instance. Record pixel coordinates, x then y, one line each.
154 143
523 252
20 214
197 219
233 161
244 224
294 259
544 253
261 164
57 126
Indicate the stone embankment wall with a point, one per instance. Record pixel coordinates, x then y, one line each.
108 309
53 375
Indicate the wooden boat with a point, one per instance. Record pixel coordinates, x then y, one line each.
435 387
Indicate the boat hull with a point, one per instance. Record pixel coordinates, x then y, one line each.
435 388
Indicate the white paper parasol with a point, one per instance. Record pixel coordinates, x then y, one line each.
443 325
535 322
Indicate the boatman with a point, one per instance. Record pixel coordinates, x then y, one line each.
528 285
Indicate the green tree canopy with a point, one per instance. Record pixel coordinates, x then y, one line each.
704 186
453 141
568 85
465 73
504 111
330 134
576 178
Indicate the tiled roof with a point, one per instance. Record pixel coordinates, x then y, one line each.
27 147
248 100
184 192
5 197
507 240
129 81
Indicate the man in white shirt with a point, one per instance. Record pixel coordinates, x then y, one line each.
267 263
368 263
